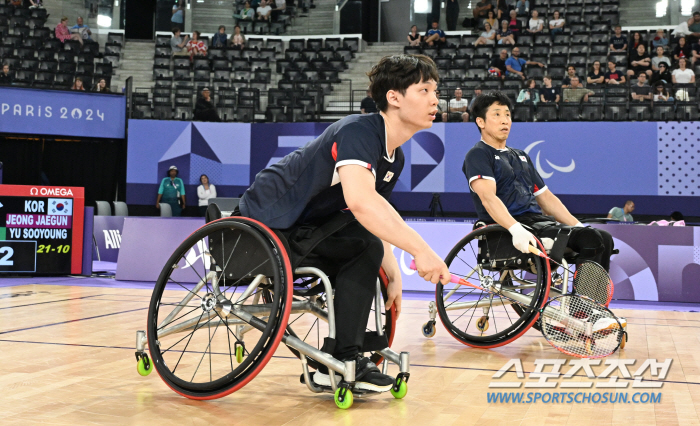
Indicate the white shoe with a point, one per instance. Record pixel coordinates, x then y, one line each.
321 379
604 324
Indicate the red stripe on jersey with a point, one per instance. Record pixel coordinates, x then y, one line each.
334 151
369 166
536 188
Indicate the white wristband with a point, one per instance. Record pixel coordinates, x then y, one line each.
579 225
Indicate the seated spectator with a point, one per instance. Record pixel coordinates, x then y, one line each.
694 28
613 76
498 64
535 25
570 72
435 36
622 214
196 46
36 4
491 19
487 37
556 24
204 109
695 51
640 91
441 108
6 76
516 65
640 62
246 14
663 75
529 95
82 29
220 39
661 94
502 9
549 93
522 7
505 35
205 191
596 76
618 42
660 39
660 57
102 86
264 11
78 84
277 10
683 75
682 50
414 38
457 108
63 33
515 25
576 92
481 10
634 43
477 93
178 43
368 106
177 18
237 39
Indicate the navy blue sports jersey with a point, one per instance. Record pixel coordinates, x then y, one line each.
517 180
304 186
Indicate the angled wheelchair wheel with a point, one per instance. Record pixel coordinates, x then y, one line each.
506 289
219 308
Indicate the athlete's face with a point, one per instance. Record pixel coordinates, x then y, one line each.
497 123
417 108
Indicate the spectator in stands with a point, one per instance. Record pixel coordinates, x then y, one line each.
441 107
368 106
481 10
529 94
491 19
6 76
78 84
660 39
277 9
457 108
535 25
683 75
613 76
515 25
570 72
414 38
549 93
682 49
220 39
178 43
576 92
522 7
695 51
516 65
264 11
34 4
237 39
640 62
452 14
641 91
661 94
618 42
502 9
498 65
435 36
556 25
63 33
246 14
82 29
694 28
477 93
205 191
178 15
635 43
661 57
172 191
663 75
196 46
102 86
505 35
487 37
622 214
596 76
204 109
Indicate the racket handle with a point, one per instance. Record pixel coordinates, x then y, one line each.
535 251
453 278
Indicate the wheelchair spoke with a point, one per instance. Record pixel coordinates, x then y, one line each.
181 316
188 342
208 348
188 290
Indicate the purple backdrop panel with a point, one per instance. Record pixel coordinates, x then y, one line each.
87 241
147 243
108 235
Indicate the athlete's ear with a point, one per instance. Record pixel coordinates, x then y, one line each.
392 98
481 123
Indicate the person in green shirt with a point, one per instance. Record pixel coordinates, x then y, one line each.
622 214
172 191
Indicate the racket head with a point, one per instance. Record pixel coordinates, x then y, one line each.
578 326
593 281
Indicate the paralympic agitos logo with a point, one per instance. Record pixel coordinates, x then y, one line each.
568 169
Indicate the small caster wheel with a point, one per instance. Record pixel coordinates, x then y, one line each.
239 353
400 389
429 329
343 398
483 324
143 366
623 342
590 346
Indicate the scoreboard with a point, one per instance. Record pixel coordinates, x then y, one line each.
41 229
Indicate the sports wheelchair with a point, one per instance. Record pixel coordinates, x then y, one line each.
225 300
512 288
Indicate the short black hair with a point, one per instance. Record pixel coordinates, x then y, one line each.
221 27
203 175
485 100
696 13
677 215
175 30
629 202
398 72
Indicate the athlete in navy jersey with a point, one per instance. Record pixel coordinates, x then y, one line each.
354 165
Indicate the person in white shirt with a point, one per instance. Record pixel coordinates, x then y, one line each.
264 11
205 191
457 109
556 25
682 75
535 24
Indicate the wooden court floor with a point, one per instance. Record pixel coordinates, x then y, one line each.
67 358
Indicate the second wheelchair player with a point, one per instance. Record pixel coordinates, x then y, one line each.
507 189
354 165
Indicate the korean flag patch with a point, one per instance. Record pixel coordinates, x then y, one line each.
523 158
388 176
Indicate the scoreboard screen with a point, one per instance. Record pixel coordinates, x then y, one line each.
41 229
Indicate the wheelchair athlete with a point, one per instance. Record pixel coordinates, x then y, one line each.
507 189
354 165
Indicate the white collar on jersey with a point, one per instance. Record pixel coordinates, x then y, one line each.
499 149
386 144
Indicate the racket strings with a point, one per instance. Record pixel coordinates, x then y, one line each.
591 280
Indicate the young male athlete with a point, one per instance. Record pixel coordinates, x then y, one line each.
354 165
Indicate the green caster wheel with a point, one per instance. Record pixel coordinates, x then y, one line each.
239 354
346 401
143 366
402 389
